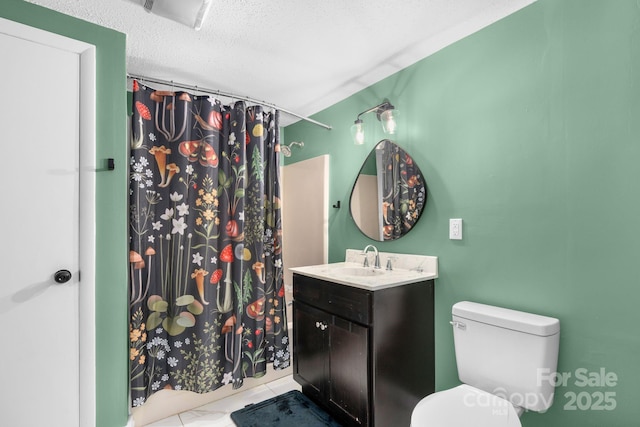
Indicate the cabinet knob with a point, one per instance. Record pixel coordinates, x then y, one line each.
321 325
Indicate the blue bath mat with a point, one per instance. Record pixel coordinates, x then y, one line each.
292 409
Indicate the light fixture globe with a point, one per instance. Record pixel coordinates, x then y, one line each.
357 132
389 120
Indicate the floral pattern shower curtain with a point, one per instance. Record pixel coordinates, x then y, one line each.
403 192
206 285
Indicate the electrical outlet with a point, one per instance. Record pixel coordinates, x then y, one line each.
455 229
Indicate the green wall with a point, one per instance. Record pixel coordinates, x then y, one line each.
111 227
529 130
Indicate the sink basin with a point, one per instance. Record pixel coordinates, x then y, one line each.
358 271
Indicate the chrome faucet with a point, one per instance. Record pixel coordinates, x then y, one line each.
366 259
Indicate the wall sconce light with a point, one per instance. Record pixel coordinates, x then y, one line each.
387 115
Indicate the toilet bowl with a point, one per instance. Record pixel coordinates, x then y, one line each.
464 406
499 352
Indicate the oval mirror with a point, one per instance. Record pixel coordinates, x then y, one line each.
389 194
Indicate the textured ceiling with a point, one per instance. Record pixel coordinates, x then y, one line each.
300 55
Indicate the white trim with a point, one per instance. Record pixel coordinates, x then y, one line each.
325 196
87 132
88 236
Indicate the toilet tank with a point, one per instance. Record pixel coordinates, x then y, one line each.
508 353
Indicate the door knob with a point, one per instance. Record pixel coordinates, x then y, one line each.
62 276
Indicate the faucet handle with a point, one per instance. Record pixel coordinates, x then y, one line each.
389 263
366 259
377 261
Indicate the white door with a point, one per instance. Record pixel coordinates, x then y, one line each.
39 214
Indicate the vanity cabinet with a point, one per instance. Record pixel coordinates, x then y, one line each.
365 356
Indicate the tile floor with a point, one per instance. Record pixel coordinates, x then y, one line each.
217 414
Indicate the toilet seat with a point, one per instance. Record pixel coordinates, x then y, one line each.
464 406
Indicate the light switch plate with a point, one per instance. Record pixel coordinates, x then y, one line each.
455 229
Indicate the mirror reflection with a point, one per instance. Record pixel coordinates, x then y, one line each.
389 194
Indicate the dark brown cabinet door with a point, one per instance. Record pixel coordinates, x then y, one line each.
348 367
311 363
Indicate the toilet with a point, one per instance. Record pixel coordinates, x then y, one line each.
506 361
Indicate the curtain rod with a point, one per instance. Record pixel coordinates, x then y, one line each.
225 94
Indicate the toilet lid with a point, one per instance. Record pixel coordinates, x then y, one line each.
464 406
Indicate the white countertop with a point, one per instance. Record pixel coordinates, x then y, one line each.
353 274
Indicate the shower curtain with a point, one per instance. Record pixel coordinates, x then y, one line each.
402 192
206 283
